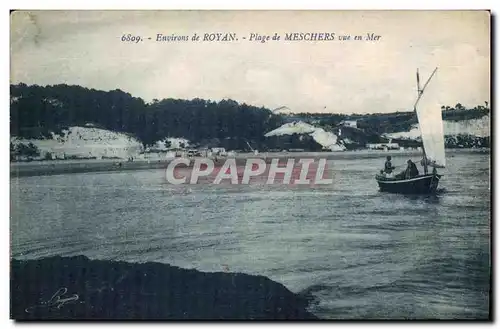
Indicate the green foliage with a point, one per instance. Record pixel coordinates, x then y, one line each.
381 123
39 110
36 111
26 150
459 112
466 141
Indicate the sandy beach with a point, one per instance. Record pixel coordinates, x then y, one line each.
55 167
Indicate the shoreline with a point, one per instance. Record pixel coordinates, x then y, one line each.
89 289
59 167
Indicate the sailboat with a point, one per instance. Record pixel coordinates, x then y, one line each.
430 121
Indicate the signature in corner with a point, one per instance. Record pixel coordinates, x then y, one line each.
55 301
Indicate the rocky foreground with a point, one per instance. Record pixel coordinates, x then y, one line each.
76 288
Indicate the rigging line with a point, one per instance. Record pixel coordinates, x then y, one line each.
423 88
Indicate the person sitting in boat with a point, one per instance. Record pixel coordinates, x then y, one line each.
411 170
388 168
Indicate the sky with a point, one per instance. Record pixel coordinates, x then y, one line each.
85 48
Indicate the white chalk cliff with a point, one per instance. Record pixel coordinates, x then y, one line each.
86 142
475 127
325 138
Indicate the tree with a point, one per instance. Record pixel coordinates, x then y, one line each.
38 110
29 150
12 151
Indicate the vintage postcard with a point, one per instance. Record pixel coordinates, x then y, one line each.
249 165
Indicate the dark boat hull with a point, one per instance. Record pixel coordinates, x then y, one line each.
422 184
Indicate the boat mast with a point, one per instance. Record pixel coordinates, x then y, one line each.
420 92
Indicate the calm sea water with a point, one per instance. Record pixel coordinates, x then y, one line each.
361 253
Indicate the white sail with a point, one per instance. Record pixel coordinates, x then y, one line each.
430 121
